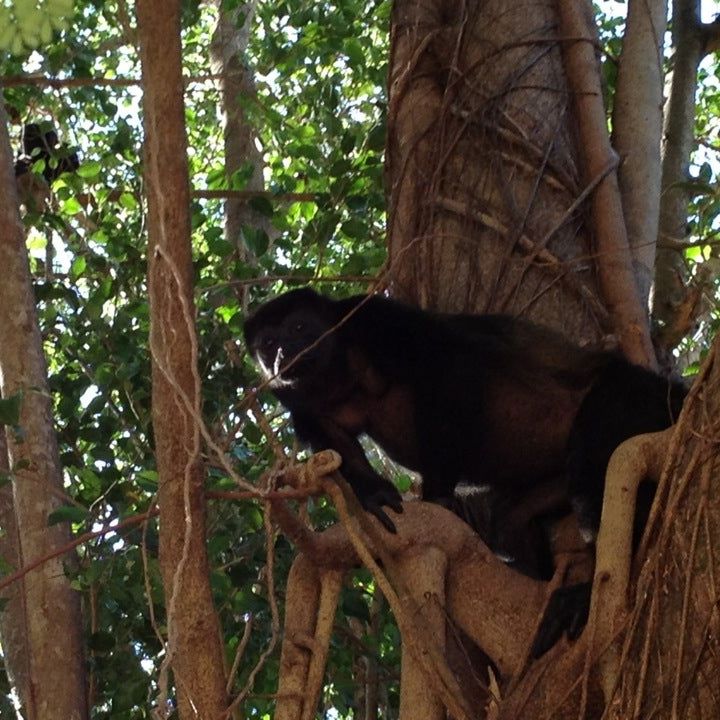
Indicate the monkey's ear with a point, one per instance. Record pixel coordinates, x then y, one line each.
274 311
32 138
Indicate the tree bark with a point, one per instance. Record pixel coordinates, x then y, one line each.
485 201
16 650
486 198
227 52
47 610
637 132
671 653
618 284
194 649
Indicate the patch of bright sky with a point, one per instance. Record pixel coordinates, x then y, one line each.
708 11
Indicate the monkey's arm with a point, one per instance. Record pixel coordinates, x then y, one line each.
372 489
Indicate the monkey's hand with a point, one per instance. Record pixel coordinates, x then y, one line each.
567 612
384 494
372 490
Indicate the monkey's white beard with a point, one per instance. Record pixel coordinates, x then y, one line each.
272 374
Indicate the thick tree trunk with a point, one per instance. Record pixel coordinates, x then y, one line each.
46 611
486 212
194 651
671 649
486 201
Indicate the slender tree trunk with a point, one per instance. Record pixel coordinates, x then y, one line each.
618 284
227 52
47 611
637 132
675 303
194 651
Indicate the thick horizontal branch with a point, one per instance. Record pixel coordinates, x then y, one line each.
711 33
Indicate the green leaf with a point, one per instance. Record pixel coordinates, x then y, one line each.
355 228
67 513
239 179
78 267
256 239
376 138
71 206
354 51
148 480
262 205
353 604
128 201
89 169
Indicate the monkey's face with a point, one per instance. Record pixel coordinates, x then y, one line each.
295 350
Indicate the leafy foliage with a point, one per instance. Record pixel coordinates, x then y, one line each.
30 23
318 113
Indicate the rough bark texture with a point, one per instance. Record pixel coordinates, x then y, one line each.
637 131
670 657
495 606
671 272
15 646
47 610
650 648
428 537
194 650
483 181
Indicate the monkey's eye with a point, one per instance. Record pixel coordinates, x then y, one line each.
299 326
268 342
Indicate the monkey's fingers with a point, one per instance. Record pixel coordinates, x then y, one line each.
391 498
374 505
567 612
582 610
381 515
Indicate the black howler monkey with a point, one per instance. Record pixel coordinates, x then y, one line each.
43 144
484 399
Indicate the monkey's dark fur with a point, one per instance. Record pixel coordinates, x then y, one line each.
485 399
43 144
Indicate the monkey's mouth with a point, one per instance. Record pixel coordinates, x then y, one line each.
286 369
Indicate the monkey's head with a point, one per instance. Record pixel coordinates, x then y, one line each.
289 339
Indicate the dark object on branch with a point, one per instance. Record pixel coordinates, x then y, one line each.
483 399
566 613
40 142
